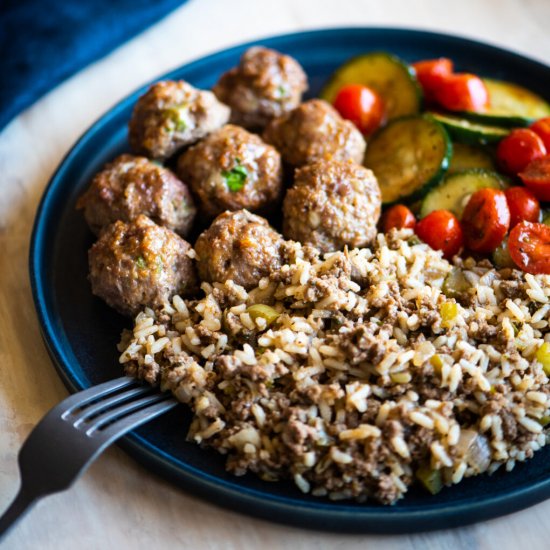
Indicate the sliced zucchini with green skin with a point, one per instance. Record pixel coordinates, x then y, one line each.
455 189
388 75
501 255
469 132
510 106
409 156
466 157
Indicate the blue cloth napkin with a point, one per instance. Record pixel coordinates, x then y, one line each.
43 42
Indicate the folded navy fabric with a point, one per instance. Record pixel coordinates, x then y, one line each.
42 42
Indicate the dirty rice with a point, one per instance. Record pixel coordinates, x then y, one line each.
370 376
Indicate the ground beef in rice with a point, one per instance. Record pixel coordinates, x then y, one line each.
368 375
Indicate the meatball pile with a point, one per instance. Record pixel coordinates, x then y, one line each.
224 174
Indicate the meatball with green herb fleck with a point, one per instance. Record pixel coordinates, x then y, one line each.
232 169
172 115
332 204
130 186
139 264
238 246
265 85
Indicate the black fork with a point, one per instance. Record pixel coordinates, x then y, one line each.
66 441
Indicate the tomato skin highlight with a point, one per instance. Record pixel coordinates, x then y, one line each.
541 127
462 92
485 220
529 246
398 217
518 149
536 177
362 106
430 73
523 205
441 230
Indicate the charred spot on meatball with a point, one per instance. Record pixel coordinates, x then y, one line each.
172 115
238 246
265 85
232 169
130 186
315 131
332 204
139 264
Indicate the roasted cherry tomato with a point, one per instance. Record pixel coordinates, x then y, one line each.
529 246
485 220
523 205
462 92
431 73
536 177
441 230
398 217
518 149
542 128
362 105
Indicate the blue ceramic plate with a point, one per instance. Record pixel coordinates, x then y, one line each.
81 332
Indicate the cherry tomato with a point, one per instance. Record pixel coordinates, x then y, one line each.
529 245
362 105
485 220
523 205
518 149
398 216
542 128
462 92
431 73
536 177
441 230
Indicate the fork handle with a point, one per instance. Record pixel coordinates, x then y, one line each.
21 504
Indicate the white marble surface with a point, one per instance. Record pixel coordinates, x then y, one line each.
117 504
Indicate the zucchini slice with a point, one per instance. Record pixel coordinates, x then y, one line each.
511 105
388 75
466 157
470 132
409 156
455 190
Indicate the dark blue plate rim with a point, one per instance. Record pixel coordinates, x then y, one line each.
318 515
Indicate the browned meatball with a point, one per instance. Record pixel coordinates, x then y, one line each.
130 186
265 85
315 131
172 115
232 169
139 264
332 204
239 246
